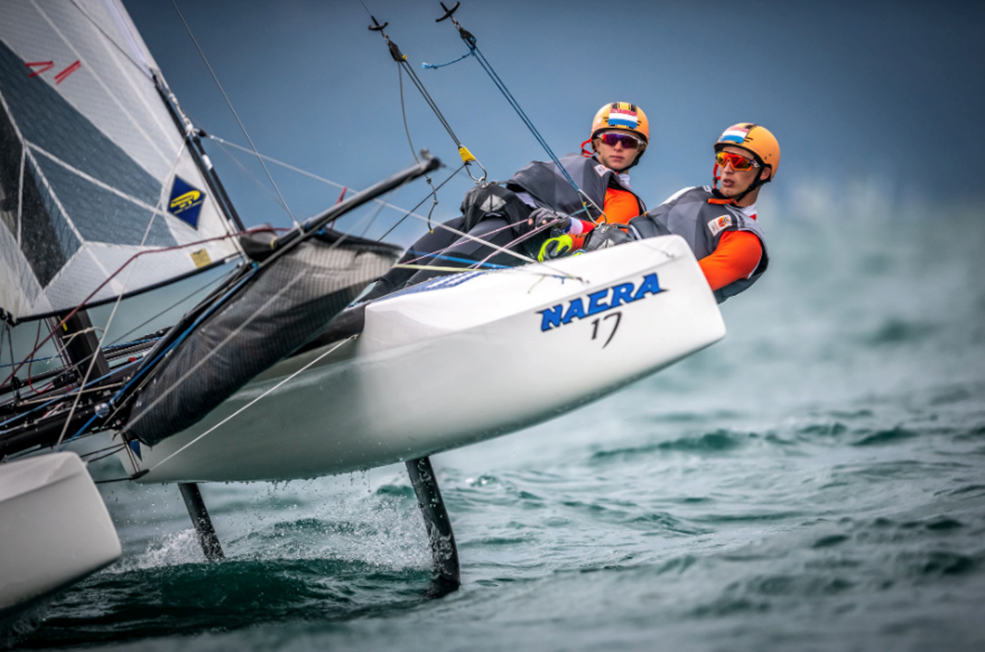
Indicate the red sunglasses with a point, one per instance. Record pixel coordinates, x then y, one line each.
739 163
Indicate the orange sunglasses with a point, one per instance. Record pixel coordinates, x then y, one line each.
739 163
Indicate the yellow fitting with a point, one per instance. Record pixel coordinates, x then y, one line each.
466 155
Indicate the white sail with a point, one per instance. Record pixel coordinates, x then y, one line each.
93 168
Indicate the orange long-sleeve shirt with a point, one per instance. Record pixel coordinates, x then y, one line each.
736 257
620 207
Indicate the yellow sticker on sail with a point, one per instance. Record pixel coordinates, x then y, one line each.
201 258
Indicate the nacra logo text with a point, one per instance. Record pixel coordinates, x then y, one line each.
617 295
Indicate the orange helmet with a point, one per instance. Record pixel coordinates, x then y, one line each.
757 140
621 116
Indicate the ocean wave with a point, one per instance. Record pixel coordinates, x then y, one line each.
719 441
898 331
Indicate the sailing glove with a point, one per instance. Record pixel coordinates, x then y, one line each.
559 222
606 235
555 248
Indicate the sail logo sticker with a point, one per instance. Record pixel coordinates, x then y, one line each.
617 295
186 202
720 223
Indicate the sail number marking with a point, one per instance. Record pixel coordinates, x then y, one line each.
45 66
599 302
615 327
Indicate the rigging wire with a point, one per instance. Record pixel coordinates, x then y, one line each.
470 42
313 176
413 152
200 319
113 275
411 211
230 104
112 314
376 214
222 143
142 67
211 283
401 59
251 403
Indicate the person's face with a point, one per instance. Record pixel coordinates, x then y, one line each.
616 156
735 182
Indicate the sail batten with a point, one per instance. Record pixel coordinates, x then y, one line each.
93 169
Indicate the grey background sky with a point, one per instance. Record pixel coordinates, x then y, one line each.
884 94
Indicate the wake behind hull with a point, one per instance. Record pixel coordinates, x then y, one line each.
480 356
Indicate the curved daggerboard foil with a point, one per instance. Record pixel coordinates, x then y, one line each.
93 169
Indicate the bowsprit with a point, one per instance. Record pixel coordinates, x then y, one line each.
607 299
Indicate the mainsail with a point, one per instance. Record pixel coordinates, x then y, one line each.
93 169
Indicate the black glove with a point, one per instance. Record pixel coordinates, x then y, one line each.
605 235
544 216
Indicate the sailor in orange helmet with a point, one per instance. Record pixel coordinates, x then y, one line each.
536 203
719 221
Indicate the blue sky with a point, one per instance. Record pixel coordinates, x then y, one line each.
886 94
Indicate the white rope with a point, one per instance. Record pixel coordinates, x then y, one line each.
236 115
119 298
251 403
423 218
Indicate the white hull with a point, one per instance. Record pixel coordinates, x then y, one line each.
443 368
54 527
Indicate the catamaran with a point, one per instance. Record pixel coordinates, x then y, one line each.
106 191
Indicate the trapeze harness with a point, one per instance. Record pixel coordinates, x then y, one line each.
704 225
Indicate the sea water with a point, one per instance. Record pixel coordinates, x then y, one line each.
815 481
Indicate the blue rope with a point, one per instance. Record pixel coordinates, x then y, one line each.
78 432
437 256
60 398
435 66
111 347
50 357
185 334
474 50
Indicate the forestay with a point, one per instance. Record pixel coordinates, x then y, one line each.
93 168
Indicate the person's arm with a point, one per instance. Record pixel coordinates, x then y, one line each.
736 257
620 207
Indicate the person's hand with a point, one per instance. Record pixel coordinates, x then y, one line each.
605 235
555 248
544 217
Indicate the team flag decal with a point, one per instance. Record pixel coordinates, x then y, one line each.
623 118
734 135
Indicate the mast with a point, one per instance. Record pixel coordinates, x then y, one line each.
202 160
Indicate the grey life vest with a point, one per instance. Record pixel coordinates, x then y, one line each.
549 188
689 215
